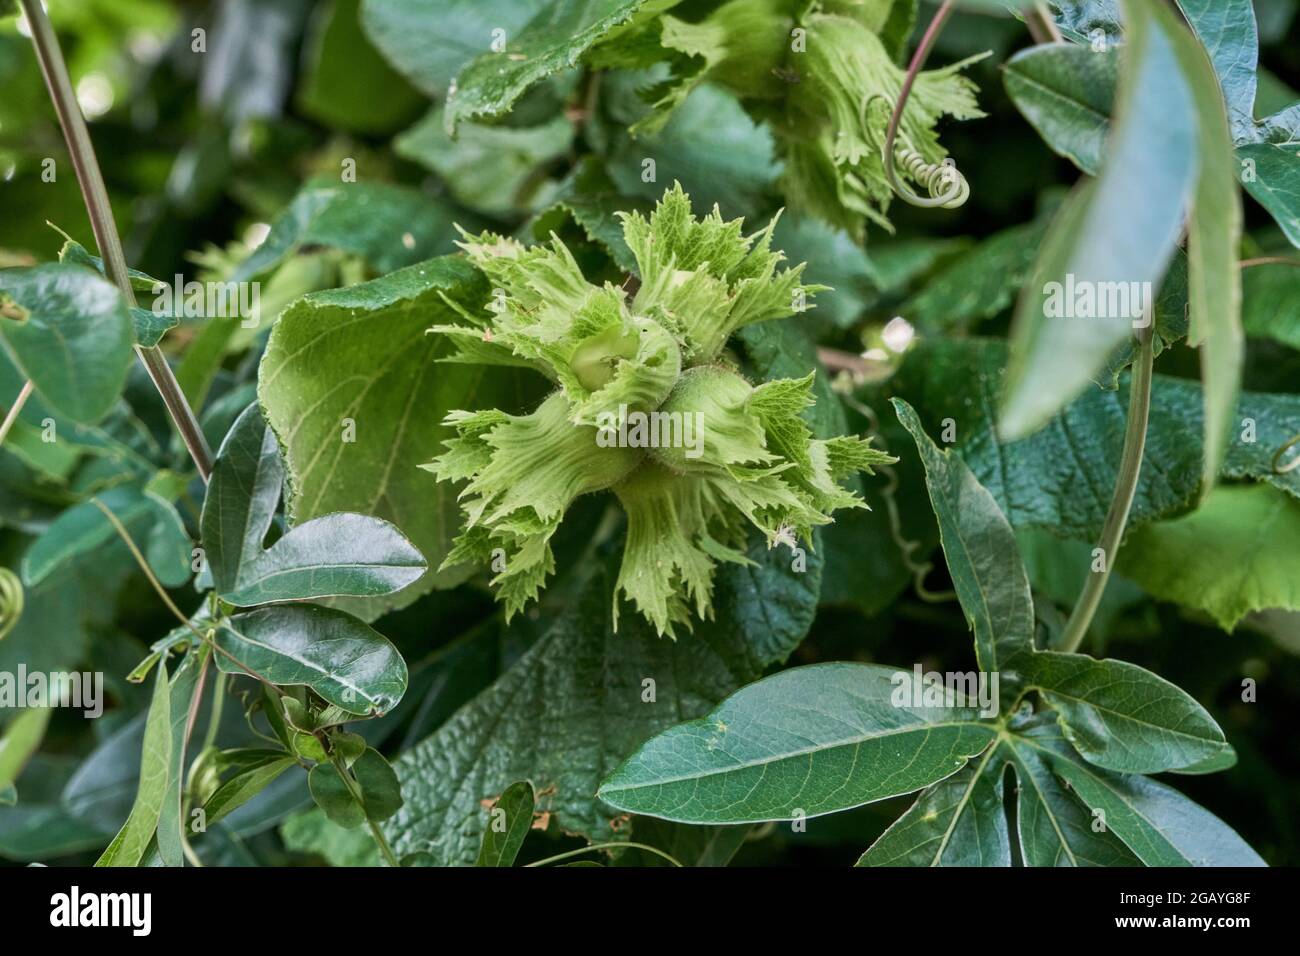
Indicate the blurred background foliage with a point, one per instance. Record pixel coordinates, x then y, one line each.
203 153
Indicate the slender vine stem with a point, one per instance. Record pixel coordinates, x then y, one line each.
91 180
896 116
376 834
1048 24
12 415
1130 466
1269 261
604 846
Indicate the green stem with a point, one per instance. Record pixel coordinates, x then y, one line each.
12 415
91 180
1130 465
376 834
605 846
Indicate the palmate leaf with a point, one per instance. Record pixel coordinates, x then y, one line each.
962 821
336 554
804 742
68 330
1157 823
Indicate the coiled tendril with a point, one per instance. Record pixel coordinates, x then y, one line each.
11 601
945 183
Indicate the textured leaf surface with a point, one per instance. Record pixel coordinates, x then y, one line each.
803 742
337 656
1227 30
553 40
429 44
568 711
1061 477
361 354
1233 555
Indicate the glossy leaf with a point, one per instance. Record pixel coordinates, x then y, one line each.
801 743
1066 91
511 817
68 330
1122 717
334 797
129 846
336 554
337 656
1149 171
381 793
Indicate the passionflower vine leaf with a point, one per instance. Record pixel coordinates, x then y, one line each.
343 660
800 743
336 554
962 820
646 407
1122 717
1157 823
69 331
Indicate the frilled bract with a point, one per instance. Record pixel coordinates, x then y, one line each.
647 407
